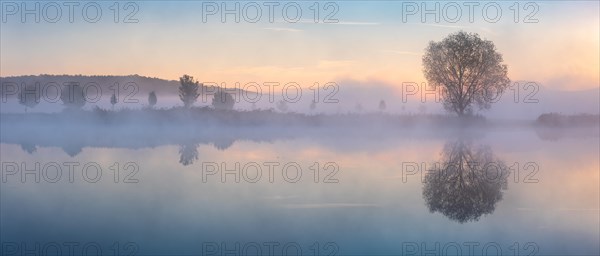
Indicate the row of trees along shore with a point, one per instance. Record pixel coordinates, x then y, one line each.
188 93
466 67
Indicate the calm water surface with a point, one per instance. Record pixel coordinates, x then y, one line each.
373 194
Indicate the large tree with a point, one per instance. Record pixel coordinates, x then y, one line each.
188 90
468 68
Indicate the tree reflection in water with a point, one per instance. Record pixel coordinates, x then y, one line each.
466 183
188 153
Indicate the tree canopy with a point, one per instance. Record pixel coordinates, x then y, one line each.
29 97
188 90
152 99
223 100
468 68
73 96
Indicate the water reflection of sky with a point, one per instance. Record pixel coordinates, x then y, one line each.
370 211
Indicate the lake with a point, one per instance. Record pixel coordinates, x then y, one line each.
323 192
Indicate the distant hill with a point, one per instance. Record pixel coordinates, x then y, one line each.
108 83
133 90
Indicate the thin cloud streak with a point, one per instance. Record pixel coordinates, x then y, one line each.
439 25
284 29
403 52
309 21
327 205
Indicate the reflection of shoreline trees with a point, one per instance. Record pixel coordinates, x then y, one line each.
188 153
28 147
72 149
466 183
148 128
554 126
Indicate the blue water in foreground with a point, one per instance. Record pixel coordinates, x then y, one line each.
369 197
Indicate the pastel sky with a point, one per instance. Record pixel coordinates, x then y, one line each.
370 41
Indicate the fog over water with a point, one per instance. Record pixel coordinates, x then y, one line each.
237 128
523 100
383 183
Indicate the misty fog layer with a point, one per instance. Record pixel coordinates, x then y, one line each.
523 100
